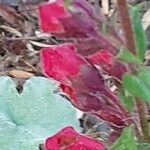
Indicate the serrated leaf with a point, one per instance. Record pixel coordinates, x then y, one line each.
126 141
139 33
137 85
27 119
128 57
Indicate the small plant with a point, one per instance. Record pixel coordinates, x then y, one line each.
79 66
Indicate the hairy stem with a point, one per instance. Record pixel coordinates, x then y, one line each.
126 25
130 44
143 119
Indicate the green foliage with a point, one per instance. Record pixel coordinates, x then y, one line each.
143 146
127 99
128 57
27 119
144 76
138 85
139 33
126 141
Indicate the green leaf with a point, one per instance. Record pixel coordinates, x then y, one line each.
138 85
128 57
127 100
27 119
139 33
126 141
143 146
144 76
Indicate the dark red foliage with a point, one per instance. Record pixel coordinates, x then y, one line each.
55 18
92 95
82 82
61 61
107 61
77 21
87 46
75 65
103 58
69 139
49 14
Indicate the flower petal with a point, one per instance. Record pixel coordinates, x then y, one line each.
61 61
106 60
49 14
82 82
69 139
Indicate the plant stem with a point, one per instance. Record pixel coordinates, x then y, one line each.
130 44
126 25
143 119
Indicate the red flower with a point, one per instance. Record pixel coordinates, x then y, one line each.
69 139
49 14
82 82
102 57
78 20
56 18
61 61
106 60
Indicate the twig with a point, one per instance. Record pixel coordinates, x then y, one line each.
143 119
28 64
32 38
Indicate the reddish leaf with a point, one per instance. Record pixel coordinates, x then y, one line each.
82 82
70 92
118 69
48 16
92 95
102 57
78 21
106 60
87 46
61 61
69 139
55 18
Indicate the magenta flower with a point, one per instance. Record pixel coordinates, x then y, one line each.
69 139
82 82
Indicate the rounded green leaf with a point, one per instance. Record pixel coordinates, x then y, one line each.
27 119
